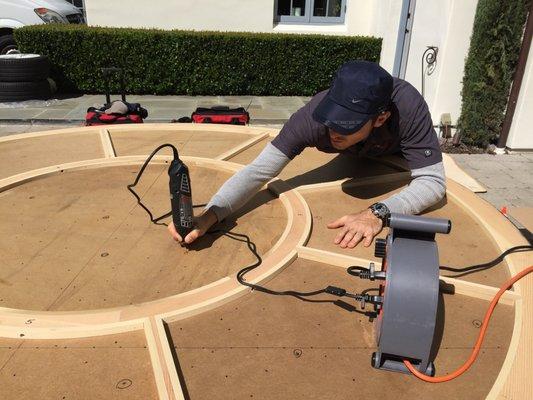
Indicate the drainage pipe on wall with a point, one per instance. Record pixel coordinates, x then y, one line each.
517 82
404 38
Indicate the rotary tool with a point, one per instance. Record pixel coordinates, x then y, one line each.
180 193
180 196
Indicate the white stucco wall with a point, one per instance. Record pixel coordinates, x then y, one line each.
386 23
448 25
521 133
229 15
453 51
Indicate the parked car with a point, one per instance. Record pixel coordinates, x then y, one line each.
18 13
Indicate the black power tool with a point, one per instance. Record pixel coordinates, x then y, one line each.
180 193
180 196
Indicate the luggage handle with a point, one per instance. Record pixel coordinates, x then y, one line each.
107 72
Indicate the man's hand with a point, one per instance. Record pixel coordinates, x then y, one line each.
201 224
356 227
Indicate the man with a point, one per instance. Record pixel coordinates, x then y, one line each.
367 112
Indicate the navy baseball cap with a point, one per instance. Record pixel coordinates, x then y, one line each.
360 91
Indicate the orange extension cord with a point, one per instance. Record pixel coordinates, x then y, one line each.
480 338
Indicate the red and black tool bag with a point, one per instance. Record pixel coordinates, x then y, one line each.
221 115
96 117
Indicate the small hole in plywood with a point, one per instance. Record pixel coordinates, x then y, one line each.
477 323
124 383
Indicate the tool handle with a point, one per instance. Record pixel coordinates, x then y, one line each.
181 197
419 224
107 72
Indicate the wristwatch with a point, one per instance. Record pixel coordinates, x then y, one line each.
381 211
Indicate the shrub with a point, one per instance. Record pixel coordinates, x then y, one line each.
194 63
489 68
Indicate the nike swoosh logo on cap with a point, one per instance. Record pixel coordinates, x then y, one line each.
354 101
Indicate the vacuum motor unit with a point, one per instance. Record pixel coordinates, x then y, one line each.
409 293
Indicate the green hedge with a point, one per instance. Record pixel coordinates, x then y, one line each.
194 63
489 68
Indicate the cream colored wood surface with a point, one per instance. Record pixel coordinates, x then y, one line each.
166 376
513 381
107 144
453 171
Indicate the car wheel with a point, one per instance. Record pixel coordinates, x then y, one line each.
20 91
7 42
23 67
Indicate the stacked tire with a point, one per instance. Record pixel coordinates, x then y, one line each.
24 77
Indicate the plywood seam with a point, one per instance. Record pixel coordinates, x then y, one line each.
241 147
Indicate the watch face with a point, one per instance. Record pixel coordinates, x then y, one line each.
380 210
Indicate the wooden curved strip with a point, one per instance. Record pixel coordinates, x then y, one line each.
246 130
19 179
240 148
120 319
514 372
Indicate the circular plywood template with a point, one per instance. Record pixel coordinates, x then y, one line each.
81 259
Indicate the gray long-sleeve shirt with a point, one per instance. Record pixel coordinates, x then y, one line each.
427 187
409 132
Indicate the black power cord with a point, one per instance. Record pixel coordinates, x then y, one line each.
363 272
253 249
482 267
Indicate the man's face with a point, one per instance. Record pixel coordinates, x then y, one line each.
342 142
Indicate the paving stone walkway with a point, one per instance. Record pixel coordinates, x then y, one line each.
262 109
507 177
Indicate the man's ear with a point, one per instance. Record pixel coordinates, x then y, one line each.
381 118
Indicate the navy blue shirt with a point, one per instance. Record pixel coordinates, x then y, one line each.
408 131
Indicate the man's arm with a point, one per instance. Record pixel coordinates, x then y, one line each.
237 190
427 188
298 132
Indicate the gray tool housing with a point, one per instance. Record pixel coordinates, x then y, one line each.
406 322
